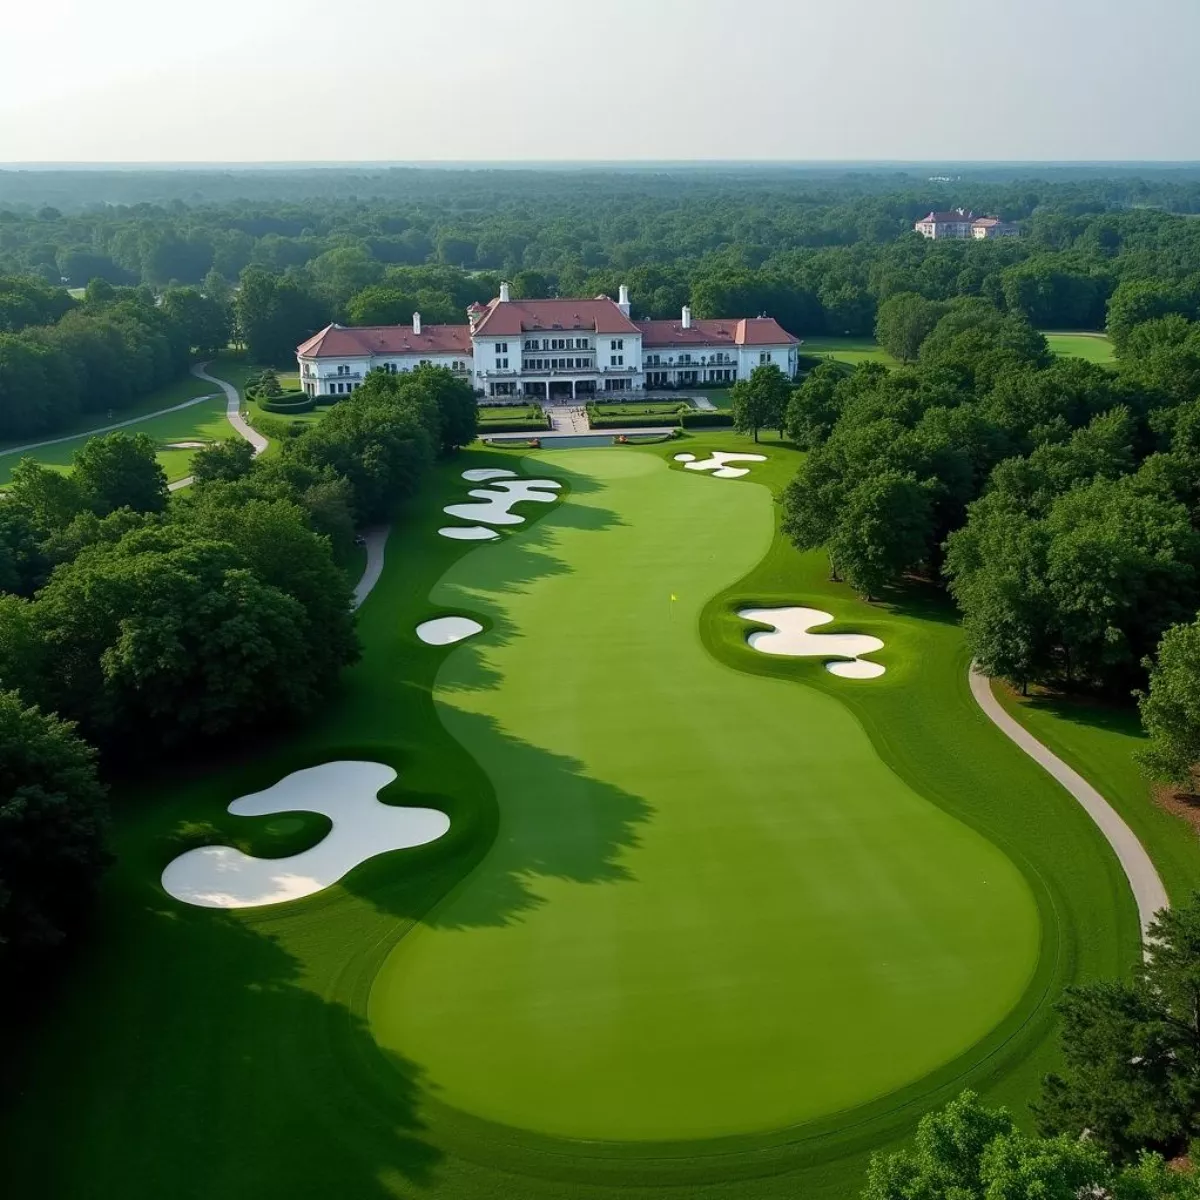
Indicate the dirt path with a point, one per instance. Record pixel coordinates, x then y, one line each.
1144 882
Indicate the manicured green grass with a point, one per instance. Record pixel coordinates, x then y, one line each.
847 350
489 414
200 422
1094 347
589 819
645 408
1099 741
692 822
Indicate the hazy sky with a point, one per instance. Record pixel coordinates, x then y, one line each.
254 80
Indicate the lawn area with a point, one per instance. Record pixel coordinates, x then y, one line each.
640 408
732 919
492 414
1099 741
1094 347
203 421
847 350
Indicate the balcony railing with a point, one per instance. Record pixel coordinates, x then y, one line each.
561 371
341 375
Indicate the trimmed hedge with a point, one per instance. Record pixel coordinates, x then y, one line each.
655 422
489 427
706 420
286 406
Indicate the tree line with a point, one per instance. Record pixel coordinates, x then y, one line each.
61 358
136 623
1058 500
821 252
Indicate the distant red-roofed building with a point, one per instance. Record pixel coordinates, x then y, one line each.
993 227
553 349
959 223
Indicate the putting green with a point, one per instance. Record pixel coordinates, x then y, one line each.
710 908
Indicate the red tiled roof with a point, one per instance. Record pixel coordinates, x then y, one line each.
359 341
514 317
746 331
989 221
943 218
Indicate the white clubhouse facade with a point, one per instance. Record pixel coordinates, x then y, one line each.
552 350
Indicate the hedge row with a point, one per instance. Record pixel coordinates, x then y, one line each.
706 420
657 422
489 427
286 406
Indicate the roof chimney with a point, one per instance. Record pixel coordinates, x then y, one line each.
505 295
416 322
687 316
623 302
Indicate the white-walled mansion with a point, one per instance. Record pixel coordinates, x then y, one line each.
552 349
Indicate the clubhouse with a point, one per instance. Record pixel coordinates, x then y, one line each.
553 350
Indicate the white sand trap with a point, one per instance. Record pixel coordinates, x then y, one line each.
717 464
345 792
790 638
856 668
445 631
483 474
468 533
186 445
496 502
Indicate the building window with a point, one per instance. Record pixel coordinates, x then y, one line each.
502 364
764 356
501 347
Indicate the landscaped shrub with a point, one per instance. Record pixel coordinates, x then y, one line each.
706 420
489 427
658 421
289 404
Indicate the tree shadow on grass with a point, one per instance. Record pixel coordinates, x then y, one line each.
1089 711
921 600
193 1055
556 822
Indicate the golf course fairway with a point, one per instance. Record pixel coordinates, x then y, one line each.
710 907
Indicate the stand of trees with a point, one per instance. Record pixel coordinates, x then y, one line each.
1059 500
825 252
60 358
149 623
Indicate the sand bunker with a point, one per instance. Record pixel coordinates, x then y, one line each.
495 507
468 533
345 792
186 445
790 637
717 463
483 474
445 631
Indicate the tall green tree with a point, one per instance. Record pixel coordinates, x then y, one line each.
881 531
1131 1049
904 322
761 401
53 818
1170 708
120 470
